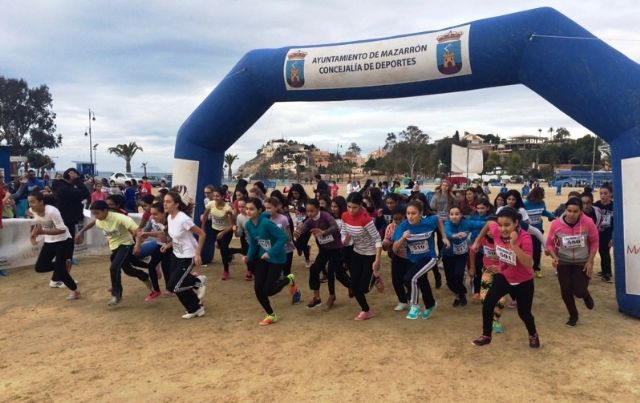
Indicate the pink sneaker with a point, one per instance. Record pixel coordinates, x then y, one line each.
225 275
248 276
153 295
364 315
513 304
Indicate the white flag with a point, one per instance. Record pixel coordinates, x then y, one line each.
466 160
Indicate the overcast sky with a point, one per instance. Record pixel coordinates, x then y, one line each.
144 66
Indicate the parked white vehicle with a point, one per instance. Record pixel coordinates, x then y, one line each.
120 178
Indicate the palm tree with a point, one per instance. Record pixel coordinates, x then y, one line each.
229 159
126 152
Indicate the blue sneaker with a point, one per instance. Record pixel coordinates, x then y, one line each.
497 327
414 312
426 314
295 299
74 261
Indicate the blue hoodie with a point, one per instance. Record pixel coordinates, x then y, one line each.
267 237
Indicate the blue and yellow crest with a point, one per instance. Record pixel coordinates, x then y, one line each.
295 69
449 52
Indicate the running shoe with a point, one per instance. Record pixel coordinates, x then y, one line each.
74 261
248 276
456 302
152 295
426 314
599 274
572 322
401 307
314 303
114 301
200 291
414 312
534 341
225 276
292 284
463 300
307 264
73 295
56 284
295 299
497 327
196 314
482 341
270 319
538 273
513 304
475 297
364 315
588 302
330 301
607 279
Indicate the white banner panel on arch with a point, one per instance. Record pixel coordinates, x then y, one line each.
406 59
631 207
465 160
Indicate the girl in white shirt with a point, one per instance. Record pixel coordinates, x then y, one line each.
58 243
186 252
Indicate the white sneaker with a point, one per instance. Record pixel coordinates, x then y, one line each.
56 284
203 287
196 314
73 295
401 307
113 301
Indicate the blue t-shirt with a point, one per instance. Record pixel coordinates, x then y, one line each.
420 244
459 246
536 210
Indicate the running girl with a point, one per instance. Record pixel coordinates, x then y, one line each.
240 231
322 225
483 211
273 207
367 247
154 233
515 276
120 231
415 236
399 262
605 204
536 209
572 244
297 198
268 257
455 257
58 243
186 253
222 224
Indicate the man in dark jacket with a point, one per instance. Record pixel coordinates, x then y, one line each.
69 192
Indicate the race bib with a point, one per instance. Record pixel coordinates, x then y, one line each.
114 233
535 219
419 247
265 244
506 255
490 253
387 218
220 222
443 215
47 225
606 219
323 240
300 218
573 241
177 247
460 248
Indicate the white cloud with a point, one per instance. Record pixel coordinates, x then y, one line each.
143 67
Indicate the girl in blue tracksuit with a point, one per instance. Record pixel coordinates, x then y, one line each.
484 210
536 209
415 237
267 254
454 258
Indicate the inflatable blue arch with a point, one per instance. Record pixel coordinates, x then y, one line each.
588 80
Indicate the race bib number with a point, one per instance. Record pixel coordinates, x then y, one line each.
460 248
325 239
220 222
419 247
177 247
490 253
573 241
114 233
606 219
47 225
387 218
443 215
506 255
535 219
300 218
265 244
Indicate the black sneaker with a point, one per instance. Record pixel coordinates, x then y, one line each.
482 341
572 322
534 341
606 279
588 302
463 300
314 303
599 274
456 302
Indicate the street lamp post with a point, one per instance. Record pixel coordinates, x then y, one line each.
92 116
95 158
538 150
